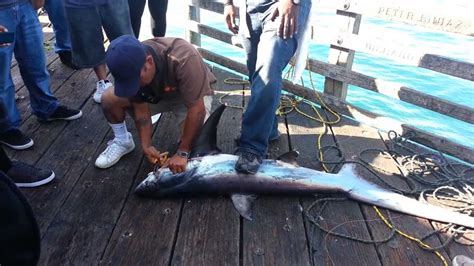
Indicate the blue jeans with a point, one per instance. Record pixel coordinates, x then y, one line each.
57 16
85 25
28 49
267 56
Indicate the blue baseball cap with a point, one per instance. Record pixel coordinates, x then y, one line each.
125 58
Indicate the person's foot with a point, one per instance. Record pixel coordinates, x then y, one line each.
114 151
248 163
15 139
101 87
66 59
25 175
64 113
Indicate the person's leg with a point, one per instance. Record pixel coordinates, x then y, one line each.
57 16
10 21
62 43
32 62
274 53
158 10
136 8
115 19
9 135
5 162
114 109
87 40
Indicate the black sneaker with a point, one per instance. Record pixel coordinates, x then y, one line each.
64 113
248 163
15 139
25 175
66 59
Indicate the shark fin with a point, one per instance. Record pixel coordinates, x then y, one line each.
206 141
243 203
289 157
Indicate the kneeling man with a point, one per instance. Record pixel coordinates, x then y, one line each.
158 75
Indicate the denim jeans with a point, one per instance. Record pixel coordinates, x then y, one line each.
57 16
85 26
267 56
5 124
29 53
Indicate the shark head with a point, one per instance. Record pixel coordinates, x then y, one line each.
164 183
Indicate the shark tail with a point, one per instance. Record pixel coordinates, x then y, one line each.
364 191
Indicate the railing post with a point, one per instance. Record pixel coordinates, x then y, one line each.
349 22
194 13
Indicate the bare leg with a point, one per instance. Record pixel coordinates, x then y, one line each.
101 72
114 107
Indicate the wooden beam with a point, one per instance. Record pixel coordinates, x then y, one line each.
194 14
348 22
394 90
339 73
446 17
444 145
394 50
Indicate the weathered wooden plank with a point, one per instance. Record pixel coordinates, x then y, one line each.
343 217
58 74
209 229
396 91
339 73
194 14
395 50
276 236
463 245
347 22
458 150
440 17
398 251
62 90
79 233
147 229
464 70
65 147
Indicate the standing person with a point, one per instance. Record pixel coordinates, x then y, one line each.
157 10
271 33
20 17
86 19
62 42
161 75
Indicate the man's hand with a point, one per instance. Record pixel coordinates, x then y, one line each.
152 154
288 13
3 29
177 164
229 15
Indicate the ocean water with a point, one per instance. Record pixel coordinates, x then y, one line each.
436 42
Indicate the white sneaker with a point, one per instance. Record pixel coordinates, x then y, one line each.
101 86
114 151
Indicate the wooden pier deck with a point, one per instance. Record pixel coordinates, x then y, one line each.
89 216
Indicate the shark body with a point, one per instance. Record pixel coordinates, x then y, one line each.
214 174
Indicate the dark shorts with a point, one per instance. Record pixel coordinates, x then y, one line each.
85 27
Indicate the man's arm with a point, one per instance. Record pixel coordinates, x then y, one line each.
141 115
192 126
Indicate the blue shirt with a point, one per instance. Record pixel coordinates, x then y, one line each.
85 3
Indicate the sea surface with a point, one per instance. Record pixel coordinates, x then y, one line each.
436 42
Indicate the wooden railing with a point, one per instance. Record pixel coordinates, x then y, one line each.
344 42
